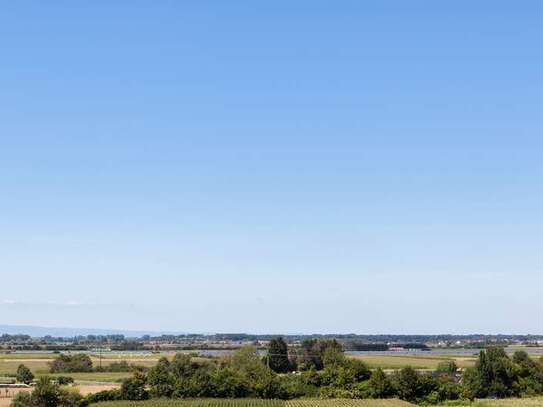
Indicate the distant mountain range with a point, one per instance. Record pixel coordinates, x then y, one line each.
40 331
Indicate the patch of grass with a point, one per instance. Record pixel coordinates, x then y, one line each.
105 377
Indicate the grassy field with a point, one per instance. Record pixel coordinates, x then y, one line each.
8 365
38 363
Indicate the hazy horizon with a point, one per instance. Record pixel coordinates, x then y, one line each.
282 167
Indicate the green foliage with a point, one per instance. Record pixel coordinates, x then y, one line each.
160 379
406 383
494 375
71 363
312 353
380 385
228 383
24 375
45 393
278 356
134 388
246 374
121 366
104 395
22 399
69 397
182 365
295 386
64 380
448 366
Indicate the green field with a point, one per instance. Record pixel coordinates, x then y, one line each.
38 363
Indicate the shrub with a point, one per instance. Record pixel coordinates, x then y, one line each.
46 393
71 364
380 385
22 399
64 380
104 395
134 388
448 366
69 397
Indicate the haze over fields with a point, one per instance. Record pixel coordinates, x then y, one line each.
287 167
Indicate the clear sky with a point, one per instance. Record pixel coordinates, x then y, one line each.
280 166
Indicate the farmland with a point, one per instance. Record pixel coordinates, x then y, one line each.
38 362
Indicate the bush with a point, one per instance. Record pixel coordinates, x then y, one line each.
104 395
448 366
22 399
134 388
406 383
69 397
71 364
227 383
379 385
296 386
46 393
64 380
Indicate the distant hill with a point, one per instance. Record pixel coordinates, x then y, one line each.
40 331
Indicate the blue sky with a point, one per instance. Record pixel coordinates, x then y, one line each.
285 166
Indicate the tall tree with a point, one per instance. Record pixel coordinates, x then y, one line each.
278 355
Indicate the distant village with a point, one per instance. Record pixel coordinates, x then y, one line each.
232 341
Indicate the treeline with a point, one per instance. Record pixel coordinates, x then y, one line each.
317 369
381 347
324 371
187 339
82 363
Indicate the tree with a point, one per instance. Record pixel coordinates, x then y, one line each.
69 397
407 384
160 379
380 386
24 375
71 363
494 375
182 365
312 353
278 355
46 393
134 388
